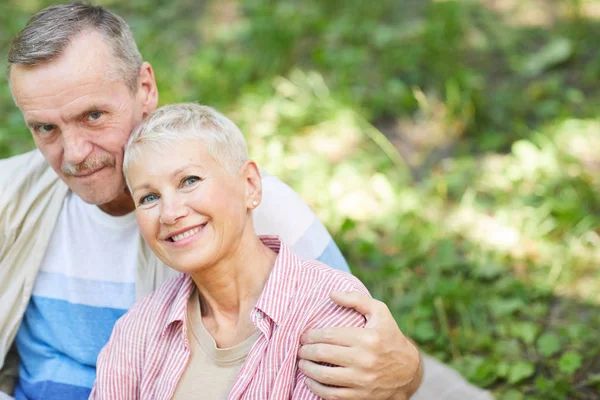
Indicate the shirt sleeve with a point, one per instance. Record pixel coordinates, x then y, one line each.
329 314
117 369
282 212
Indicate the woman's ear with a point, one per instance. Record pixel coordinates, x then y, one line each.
253 184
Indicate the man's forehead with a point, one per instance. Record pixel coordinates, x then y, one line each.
83 63
87 52
37 97
66 97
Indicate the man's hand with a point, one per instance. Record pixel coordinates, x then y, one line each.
374 362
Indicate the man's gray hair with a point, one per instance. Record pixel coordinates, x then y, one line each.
48 33
185 121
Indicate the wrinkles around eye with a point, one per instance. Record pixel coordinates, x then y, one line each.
148 199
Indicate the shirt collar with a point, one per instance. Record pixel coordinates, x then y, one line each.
281 285
178 302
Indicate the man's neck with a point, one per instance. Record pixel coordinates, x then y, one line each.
120 206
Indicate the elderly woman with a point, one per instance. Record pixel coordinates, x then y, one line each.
229 326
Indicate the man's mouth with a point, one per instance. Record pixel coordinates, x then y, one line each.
89 172
183 235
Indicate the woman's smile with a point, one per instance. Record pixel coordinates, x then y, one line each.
186 236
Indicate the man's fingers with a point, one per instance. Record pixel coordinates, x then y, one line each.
325 375
331 354
330 393
365 305
340 336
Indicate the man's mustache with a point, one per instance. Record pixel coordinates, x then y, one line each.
88 165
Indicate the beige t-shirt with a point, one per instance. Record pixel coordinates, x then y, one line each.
211 371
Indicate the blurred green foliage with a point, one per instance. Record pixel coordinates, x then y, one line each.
451 147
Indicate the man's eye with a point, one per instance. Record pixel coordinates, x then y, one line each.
147 199
190 180
94 116
47 128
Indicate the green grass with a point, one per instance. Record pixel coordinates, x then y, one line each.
450 146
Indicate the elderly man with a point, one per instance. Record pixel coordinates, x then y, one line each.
71 257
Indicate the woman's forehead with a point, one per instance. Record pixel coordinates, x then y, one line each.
158 159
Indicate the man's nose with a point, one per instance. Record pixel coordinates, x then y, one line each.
76 147
173 209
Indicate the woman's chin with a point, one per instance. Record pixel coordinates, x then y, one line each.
188 267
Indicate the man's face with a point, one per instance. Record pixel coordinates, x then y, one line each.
79 117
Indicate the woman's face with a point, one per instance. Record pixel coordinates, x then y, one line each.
191 210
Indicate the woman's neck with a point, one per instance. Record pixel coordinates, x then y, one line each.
229 289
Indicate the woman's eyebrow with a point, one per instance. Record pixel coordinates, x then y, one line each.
142 186
181 169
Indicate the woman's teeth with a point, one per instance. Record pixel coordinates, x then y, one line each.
185 234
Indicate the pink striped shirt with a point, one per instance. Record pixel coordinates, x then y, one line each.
148 350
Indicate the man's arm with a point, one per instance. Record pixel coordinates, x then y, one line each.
376 362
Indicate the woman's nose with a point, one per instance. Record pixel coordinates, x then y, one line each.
173 209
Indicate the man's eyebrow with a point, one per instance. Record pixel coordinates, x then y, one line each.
33 123
88 110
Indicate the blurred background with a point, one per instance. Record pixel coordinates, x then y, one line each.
451 147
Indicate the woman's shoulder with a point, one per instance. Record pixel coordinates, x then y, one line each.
311 306
317 280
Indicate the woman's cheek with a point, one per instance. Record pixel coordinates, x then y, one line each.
149 224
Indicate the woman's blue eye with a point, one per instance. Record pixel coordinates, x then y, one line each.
190 180
149 198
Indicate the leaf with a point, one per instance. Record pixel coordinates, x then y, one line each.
526 331
548 344
502 369
519 371
485 374
569 362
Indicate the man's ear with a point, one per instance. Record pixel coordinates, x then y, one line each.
253 184
147 90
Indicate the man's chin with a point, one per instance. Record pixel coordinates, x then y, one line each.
94 197
97 194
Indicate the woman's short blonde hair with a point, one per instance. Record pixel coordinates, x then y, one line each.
182 121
